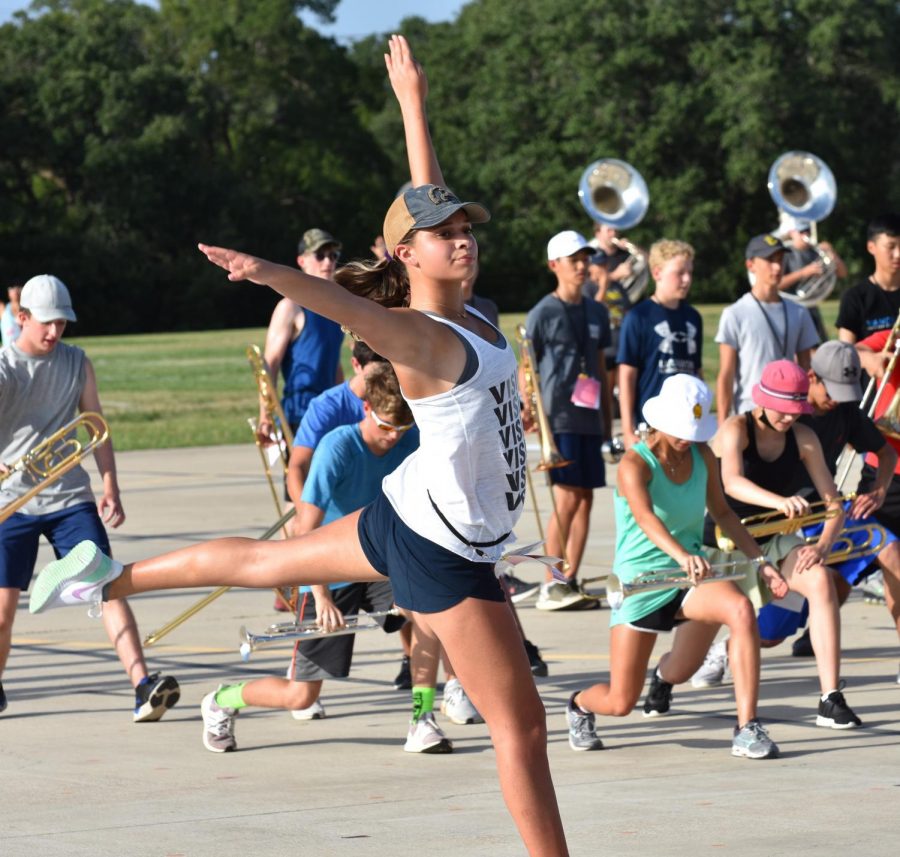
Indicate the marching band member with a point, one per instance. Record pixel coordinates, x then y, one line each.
43 383
664 486
766 458
439 524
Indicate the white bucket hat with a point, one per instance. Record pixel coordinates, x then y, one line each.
682 409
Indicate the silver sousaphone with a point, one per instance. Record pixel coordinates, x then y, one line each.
803 186
614 193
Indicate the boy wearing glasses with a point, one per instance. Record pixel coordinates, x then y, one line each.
304 345
345 474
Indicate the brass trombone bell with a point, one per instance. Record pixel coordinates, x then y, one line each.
55 456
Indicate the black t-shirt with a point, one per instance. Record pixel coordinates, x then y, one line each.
836 428
867 308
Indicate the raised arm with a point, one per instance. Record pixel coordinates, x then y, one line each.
411 88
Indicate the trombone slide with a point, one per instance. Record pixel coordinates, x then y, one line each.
285 631
617 590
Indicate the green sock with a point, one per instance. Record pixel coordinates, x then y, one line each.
231 696
423 701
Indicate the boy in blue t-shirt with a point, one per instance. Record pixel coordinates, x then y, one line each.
661 336
346 472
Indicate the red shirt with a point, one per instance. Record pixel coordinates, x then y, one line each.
876 342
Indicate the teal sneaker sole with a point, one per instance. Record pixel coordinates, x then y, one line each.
85 562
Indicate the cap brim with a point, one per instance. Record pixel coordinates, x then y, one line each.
475 211
45 316
841 392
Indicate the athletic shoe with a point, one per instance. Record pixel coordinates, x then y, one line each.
517 590
425 736
316 711
834 713
659 697
218 724
3 702
154 696
752 741
78 578
802 646
582 734
873 589
538 666
712 671
457 706
560 596
403 681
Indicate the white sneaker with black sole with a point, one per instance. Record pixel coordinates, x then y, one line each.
425 736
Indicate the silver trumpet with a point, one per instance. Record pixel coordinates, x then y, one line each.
283 631
617 590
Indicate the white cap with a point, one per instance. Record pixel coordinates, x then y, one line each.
47 299
682 409
567 244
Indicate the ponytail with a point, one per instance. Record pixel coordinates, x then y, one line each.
385 281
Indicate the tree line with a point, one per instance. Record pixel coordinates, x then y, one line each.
130 132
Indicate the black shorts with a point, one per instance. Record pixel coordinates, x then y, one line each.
889 513
425 577
663 618
330 657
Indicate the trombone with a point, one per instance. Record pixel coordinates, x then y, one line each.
55 456
617 590
181 618
284 631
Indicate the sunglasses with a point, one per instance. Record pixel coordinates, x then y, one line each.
322 255
386 426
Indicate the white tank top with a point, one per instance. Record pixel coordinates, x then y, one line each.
470 463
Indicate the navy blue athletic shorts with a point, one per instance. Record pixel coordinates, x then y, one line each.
425 577
587 469
20 534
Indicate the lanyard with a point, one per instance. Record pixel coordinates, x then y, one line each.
580 341
784 344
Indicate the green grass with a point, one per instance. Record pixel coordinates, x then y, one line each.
196 389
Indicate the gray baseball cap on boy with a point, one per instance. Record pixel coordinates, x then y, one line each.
47 299
837 364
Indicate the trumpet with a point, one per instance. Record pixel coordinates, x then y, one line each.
617 590
845 548
774 522
55 456
283 631
197 606
614 193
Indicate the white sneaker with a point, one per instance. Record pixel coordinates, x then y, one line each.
712 672
218 724
316 711
425 736
457 706
560 596
77 578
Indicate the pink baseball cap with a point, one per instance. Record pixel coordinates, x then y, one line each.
783 387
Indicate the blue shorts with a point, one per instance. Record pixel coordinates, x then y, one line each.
776 623
425 577
20 534
587 469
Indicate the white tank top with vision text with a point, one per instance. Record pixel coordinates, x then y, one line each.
470 463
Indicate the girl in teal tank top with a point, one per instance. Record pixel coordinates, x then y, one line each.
663 488
680 507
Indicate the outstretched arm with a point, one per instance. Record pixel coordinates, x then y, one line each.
411 88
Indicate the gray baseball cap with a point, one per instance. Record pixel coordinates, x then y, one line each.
837 364
47 299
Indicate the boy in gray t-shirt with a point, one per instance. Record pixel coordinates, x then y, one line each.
43 384
759 328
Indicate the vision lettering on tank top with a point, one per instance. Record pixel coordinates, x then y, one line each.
512 438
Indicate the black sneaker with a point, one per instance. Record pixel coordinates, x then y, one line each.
834 713
3 702
518 590
403 681
802 647
538 666
659 697
154 696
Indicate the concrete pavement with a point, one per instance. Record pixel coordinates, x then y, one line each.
78 778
